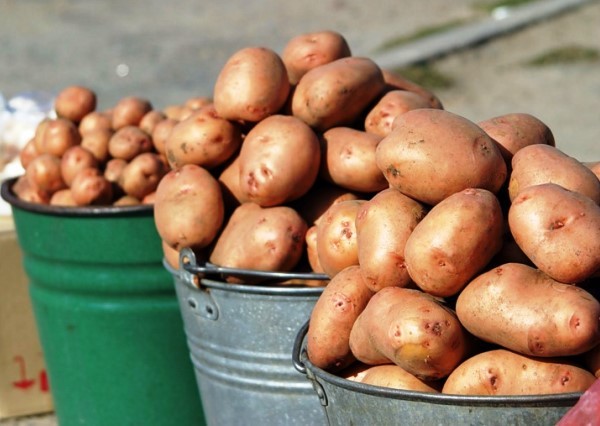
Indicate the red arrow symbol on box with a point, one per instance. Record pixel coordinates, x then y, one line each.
23 383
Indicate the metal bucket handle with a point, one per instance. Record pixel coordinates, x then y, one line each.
298 352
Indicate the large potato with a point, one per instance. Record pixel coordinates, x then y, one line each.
502 372
188 209
559 230
279 161
307 51
336 93
128 142
411 329
348 160
252 85
380 118
383 225
332 318
520 308
537 164
433 153
454 241
264 239
204 139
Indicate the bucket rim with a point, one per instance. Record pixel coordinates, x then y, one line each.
81 211
301 362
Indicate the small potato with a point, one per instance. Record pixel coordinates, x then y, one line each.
44 173
38 137
311 249
337 245
279 161
383 225
63 197
150 120
95 120
348 160
522 309
502 372
537 164
188 209
129 111
515 131
307 51
433 153
264 239
75 159
454 241
141 175
25 191
90 187
28 153
559 230
395 377
150 198
332 318
336 93
161 133
252 85
229 179
114 168
128 142
59 135
411 329
75 102
394 81
96 141
197 102
313 205
380 118
126 200
204 139
176 112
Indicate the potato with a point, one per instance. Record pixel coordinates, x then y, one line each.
95 120
264 239
75 159
38 137
59 135
348 160
337 245
204 139
161 133
128 142
514 131
114 168
332 318
309 50
25 191
537 164
188 209
252 85
141 175
336 93
383 225
96 142
502 372
395 377
150 120
197 102
522 309
229 179
171 255
75 102
63 197
311 249
126 200
433 153
594 166
380 118
129 111
395 81
313 205
28 153
559 230
279 161
454 241
90 187
44 173
411 329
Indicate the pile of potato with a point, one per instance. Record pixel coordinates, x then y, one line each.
462 256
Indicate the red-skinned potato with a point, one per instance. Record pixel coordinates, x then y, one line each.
75 159
113 169
150 120
348 160
129 111
90 187
95 120
332 318
538 164
559 230
383 225
395 377
279 161
59 135
44 173
337 245
161 133
204 139
252 85
63 197
395 81
188 208
380 118
522 309
454 241
141 176
197 102
128 142
229 179
96 142
594 166
75 102
336 93
307 51
502 372
25 191
433 153
28 153
311 249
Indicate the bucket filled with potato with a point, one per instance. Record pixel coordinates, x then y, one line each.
105 308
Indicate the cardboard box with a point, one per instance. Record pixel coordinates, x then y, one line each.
24 386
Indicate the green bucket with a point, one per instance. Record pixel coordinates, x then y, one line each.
107 315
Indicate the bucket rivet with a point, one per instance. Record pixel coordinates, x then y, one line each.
192 303
209 310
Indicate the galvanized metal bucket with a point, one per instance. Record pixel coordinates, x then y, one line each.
352 403
240 338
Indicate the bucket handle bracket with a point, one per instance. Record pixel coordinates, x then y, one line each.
198 300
